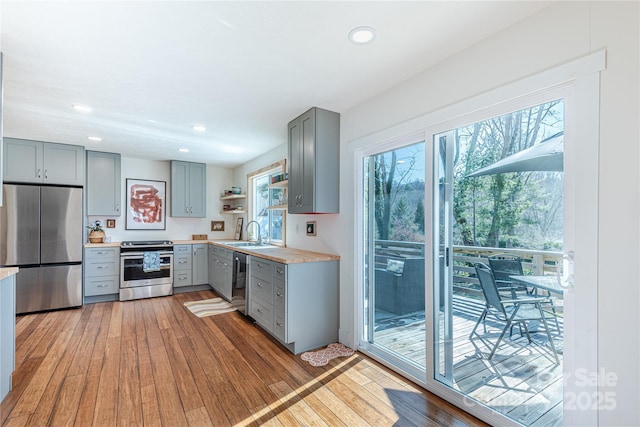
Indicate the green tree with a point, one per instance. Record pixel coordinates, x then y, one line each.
490 210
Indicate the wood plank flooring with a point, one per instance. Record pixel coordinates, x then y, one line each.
151 362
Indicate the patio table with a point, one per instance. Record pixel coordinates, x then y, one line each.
546 283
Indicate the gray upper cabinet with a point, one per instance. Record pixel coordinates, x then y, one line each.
104 186
43 162
188 189
314 162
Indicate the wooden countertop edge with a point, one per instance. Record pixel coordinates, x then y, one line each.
277 254
282 255
8 272
102 245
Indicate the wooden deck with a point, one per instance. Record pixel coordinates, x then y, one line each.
522 380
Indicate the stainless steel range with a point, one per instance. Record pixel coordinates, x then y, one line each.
146 269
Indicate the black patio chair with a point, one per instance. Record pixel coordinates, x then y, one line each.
514 311
503 266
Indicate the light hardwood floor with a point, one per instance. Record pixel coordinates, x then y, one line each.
151 362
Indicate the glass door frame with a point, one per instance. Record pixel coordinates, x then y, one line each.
577 82
378 353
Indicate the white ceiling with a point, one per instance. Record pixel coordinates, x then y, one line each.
150 70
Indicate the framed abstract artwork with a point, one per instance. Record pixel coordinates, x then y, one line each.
146 204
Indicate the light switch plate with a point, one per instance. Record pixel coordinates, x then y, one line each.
311 228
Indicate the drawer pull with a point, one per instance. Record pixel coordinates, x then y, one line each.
102 286
182 262
259 285
279 324
258 310
102 267
102 252
278 294
259 265
279 271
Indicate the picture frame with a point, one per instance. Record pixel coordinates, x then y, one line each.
146 204
217 225
311 228
111 223
238 233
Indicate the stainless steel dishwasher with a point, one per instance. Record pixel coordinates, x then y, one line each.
239 282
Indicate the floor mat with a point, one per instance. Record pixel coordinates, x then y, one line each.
322 357
209 307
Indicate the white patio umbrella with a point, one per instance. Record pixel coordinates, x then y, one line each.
547 155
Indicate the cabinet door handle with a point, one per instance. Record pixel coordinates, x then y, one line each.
278 294
46 174
279 271
39 174
258 310
278 324
259 285
191 209
117 207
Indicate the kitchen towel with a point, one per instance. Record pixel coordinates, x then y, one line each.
150 262
209 307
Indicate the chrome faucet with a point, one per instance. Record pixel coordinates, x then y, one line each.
259 236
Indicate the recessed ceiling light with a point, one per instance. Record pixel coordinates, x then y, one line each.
183 150
362 35
94 138
198 128
81 108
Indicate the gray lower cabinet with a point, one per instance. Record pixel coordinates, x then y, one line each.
188 189
296 303
190 265
182 266
42 162
101 271
221 271
314 158
199 270
104 186
7 333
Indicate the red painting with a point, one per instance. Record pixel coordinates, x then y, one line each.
145 205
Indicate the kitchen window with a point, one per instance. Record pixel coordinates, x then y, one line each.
267 204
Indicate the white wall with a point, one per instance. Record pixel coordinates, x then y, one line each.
218 179
562 32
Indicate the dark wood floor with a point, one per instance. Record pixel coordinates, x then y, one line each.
152 362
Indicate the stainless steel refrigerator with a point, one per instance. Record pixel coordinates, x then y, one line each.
41 233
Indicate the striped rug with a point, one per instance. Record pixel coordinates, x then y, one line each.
209 307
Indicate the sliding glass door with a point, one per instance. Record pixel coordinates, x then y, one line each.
394 248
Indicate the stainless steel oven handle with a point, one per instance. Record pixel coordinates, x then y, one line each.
129 255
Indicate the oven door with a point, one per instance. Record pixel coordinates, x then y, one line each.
132 273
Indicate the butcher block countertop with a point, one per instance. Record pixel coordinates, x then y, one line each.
102 245
7 272
279 254
273 253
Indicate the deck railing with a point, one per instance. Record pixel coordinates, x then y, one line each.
464 257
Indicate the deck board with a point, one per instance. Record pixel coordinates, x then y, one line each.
522 379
